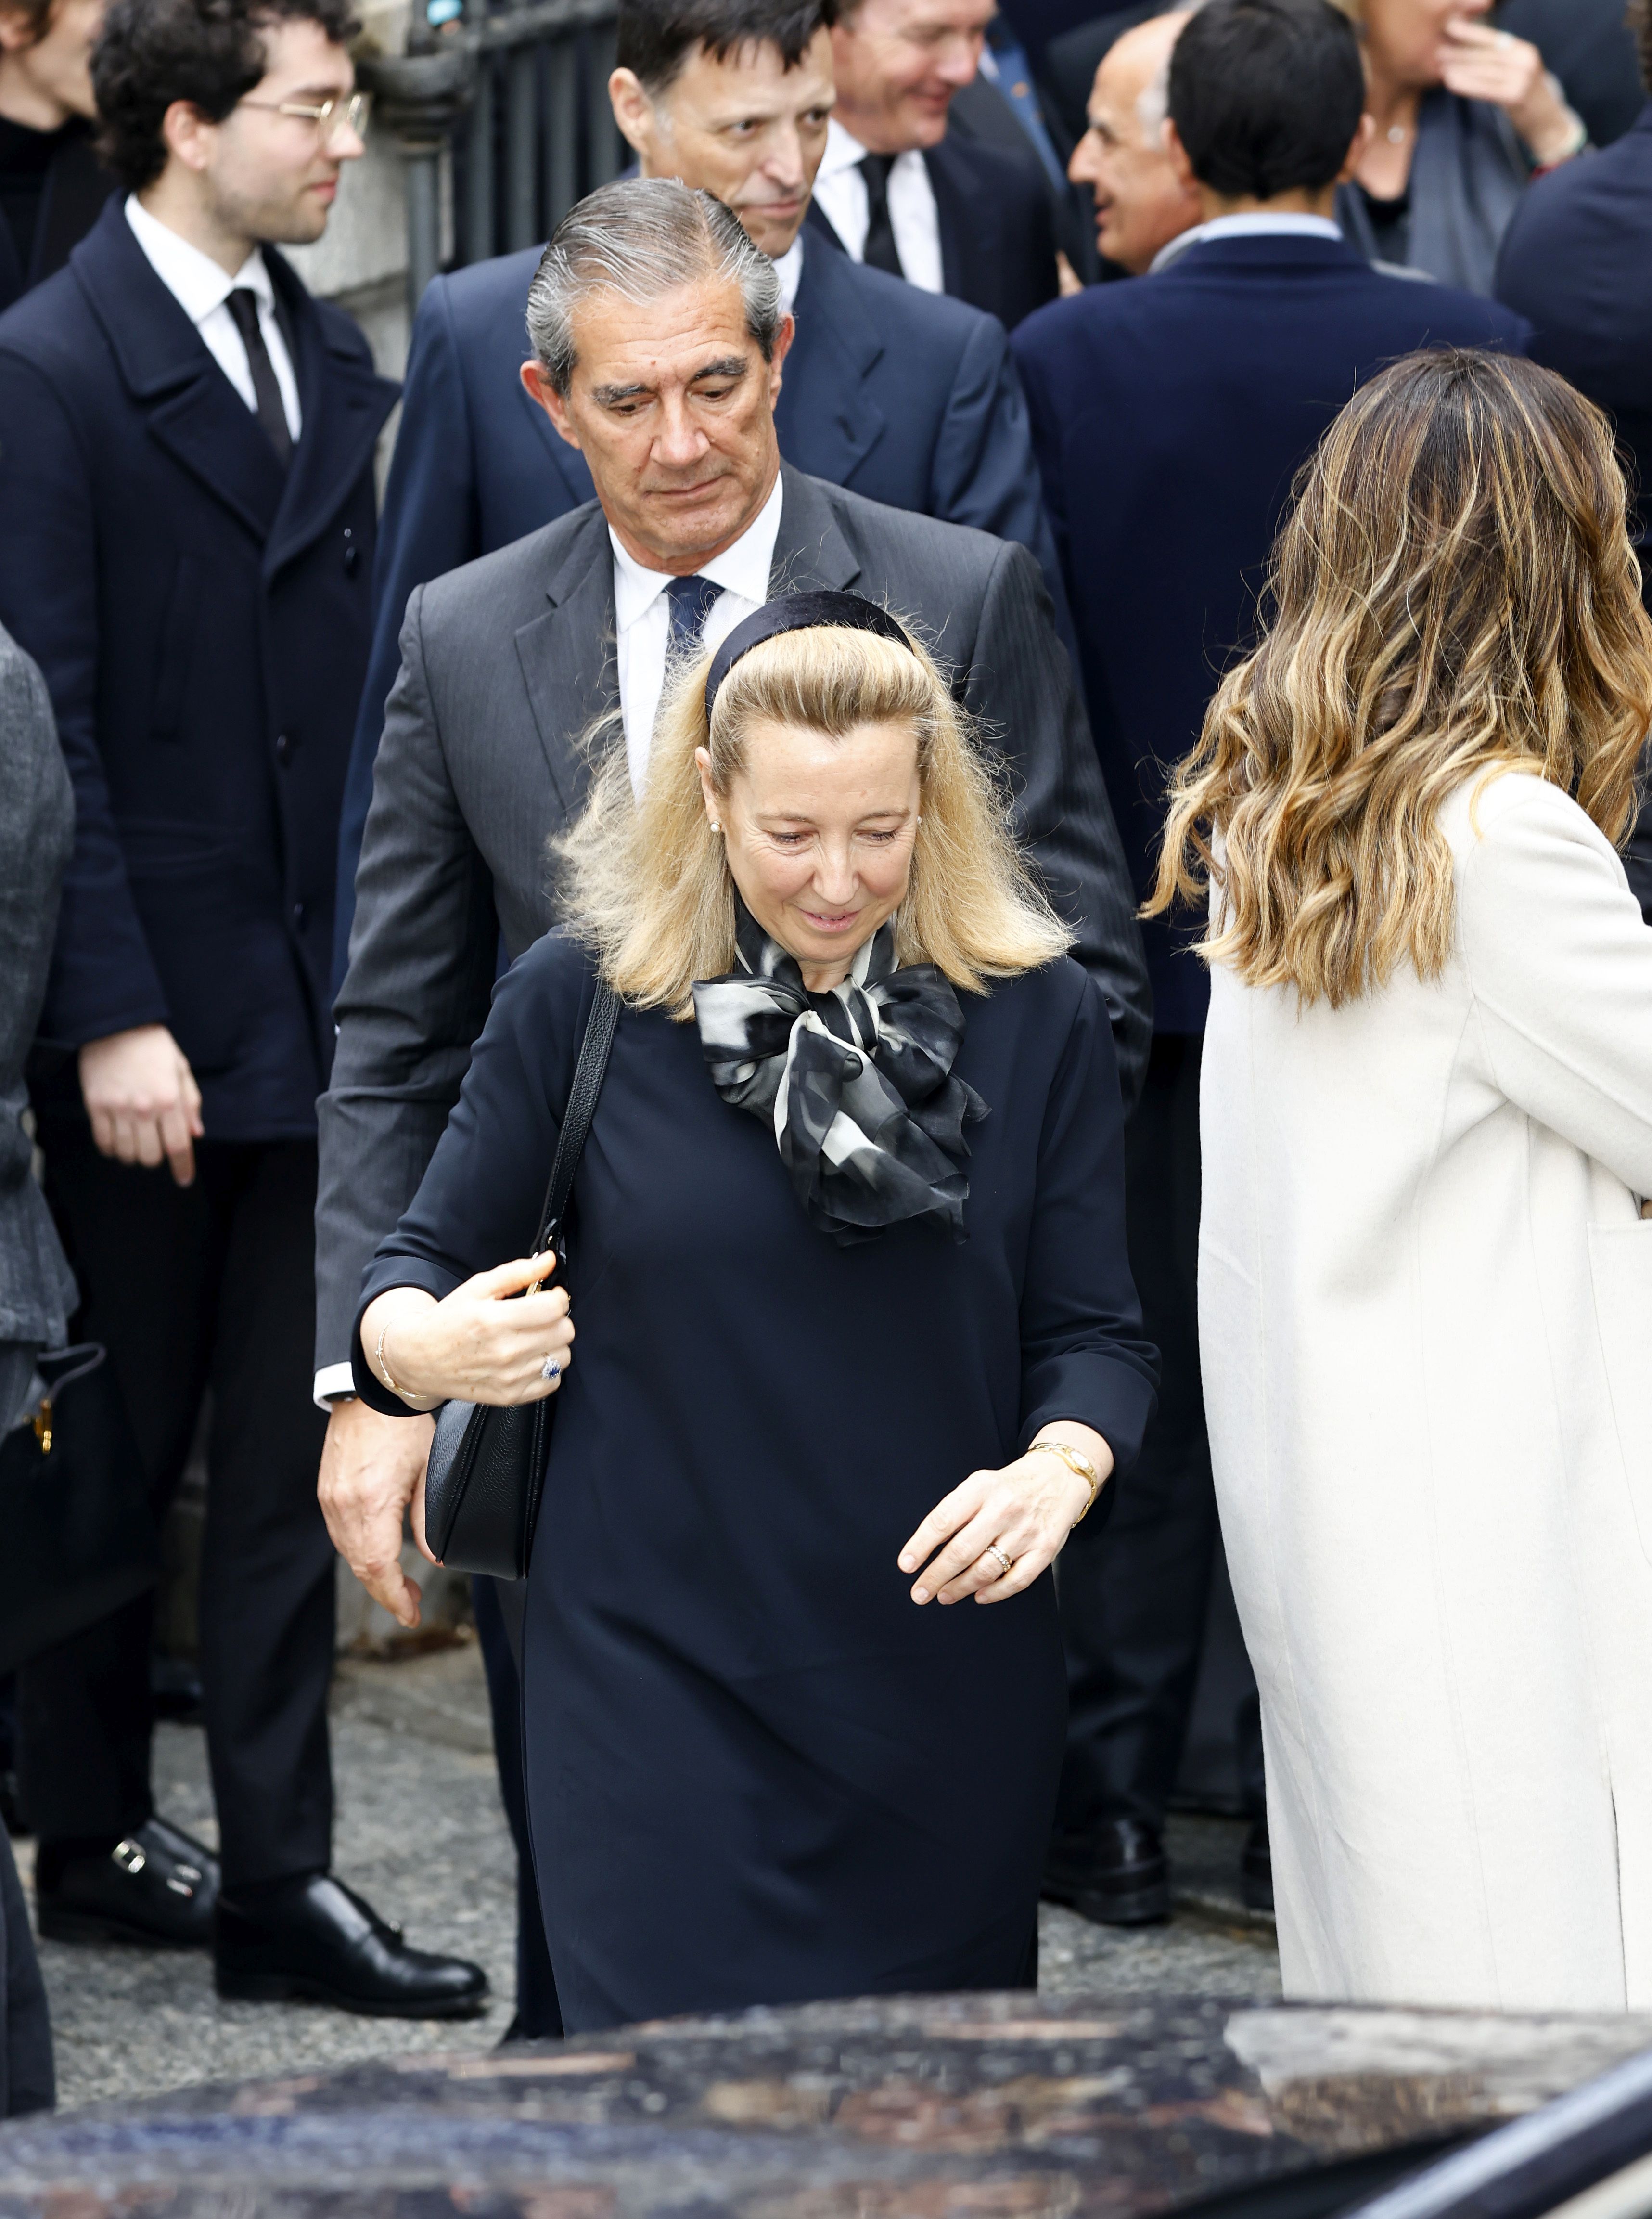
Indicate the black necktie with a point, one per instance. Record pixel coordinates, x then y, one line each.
691 602
881 250
243 305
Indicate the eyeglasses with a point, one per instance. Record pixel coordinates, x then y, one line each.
349 111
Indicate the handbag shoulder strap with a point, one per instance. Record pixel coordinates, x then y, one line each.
588 1074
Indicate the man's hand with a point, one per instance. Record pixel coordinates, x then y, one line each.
142 1099
370 1468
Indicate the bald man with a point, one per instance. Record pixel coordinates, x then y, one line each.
1141 203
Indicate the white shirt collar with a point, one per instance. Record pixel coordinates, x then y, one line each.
197 283
788 267
742 568
1255 226
843 151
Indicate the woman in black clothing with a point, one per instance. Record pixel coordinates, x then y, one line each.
856 1332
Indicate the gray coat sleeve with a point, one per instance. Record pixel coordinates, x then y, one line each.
423 954
1020 685
37 819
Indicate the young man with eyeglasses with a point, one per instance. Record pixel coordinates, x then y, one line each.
186 547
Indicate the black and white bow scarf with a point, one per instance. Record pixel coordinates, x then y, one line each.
857 1083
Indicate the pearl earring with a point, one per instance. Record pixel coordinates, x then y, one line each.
714 825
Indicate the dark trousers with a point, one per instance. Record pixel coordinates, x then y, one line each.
1134 1594
209 1286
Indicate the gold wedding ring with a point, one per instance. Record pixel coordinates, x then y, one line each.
993 1549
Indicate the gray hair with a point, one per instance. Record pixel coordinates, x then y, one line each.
642 236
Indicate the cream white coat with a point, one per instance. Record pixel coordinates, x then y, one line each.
1425 1321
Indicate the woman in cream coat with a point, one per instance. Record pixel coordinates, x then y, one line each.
1425 1280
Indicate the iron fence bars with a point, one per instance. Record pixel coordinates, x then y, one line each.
541 132
516 91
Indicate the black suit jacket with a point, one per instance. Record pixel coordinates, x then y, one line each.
1171 412
1575 261
201 618
506 666
997 226
76 186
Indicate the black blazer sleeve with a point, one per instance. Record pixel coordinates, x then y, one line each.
1023 688
104 977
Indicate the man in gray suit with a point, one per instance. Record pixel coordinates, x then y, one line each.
659 345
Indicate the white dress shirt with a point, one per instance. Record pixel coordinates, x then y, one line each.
1246 227
642 623
200 289
841 190
643 620
788 267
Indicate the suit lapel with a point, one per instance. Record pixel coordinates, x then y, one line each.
966 222
191 408
825 419
567 656
811 553
343 403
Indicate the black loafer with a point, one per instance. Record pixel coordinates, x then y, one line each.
1256 1869
317 1941
158 1888
1117 1876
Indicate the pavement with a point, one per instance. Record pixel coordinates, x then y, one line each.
420 1833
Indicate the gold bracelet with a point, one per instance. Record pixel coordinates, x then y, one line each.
382 1364
1078 1464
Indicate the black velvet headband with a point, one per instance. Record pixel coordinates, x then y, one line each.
798 613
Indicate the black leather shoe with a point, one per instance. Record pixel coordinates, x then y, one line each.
158 1888
317 1941
1116 1876
1256 1869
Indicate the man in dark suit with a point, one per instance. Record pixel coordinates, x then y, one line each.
949 211
1171 414
1574 261
186 528
52 184
668 392
906 398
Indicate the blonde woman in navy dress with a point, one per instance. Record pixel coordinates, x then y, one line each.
857 1344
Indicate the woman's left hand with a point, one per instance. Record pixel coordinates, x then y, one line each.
1477 63
1024 1513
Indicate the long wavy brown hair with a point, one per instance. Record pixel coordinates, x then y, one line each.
1453 593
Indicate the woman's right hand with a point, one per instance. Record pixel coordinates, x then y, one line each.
489 1341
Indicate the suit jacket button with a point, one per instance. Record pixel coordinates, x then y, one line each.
284 748
300 911
352 560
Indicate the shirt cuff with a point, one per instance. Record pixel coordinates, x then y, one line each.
333 1379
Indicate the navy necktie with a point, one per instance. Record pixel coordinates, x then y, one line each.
691 600
880 250
271 412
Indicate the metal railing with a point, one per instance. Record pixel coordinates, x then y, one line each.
518 94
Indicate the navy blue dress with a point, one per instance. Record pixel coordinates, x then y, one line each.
756 1771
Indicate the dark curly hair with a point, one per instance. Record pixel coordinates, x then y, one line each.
210 52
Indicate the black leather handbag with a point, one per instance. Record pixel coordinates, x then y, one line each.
487 1467
74 1508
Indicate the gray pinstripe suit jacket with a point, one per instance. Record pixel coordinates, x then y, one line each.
505 664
